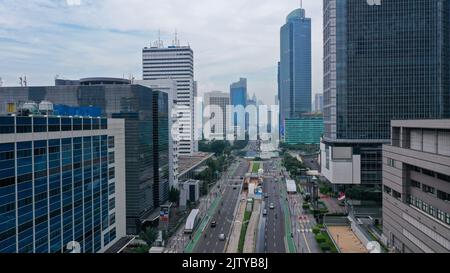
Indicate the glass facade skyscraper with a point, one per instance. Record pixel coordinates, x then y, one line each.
295 74
381 63
305 130
118 99
60 180
238 97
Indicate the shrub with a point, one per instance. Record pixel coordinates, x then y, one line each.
316 230
325 247
320 238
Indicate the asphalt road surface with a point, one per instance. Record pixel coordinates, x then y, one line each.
274 221
224 215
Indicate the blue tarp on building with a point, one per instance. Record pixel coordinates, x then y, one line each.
82 111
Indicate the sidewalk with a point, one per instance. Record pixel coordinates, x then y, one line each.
233 244
332 204
252 230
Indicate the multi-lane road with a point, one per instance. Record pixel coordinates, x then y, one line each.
271 239
224 214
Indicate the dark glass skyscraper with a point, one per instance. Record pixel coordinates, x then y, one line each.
238 97
381 62
295 84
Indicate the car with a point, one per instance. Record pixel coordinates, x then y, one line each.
222 237
266 196
264 212
272 206
213 224
234 188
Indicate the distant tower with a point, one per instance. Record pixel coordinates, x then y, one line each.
158 63
295 68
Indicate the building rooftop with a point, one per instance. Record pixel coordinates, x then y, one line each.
120 245
296 14
188 163
103 81
423 123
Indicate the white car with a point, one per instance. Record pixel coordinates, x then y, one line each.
222 237
272 206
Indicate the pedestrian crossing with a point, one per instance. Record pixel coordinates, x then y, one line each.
305 230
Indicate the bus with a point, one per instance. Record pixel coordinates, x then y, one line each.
192 221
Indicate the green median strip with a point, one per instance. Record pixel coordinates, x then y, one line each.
287 225
244 226
198 233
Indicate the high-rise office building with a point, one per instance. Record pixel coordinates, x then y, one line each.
416 187
216 103
177 63
305 130
238 98
381 62
170 88
318 103
295 73
62 179
118 98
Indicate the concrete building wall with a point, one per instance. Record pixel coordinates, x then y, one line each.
416 187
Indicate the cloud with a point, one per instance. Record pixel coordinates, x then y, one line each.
73 2
231 39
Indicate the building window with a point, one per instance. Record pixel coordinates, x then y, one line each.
443 177
111 158
428 189
112 189
112 219
396 194
428 172
103 124
443 196
414 168
412 200
7 125
54 124
23 125
432 211
112 173
111 142
415 184
77 124
112 203
391 162
66 124
387 190
441 215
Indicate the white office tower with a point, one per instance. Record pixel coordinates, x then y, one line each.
175 62
215 115
170 87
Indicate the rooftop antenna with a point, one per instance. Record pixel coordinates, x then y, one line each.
301 4
160 43
25 80
1 82
21 81
177 42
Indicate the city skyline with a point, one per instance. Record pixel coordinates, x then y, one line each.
66 34
214 127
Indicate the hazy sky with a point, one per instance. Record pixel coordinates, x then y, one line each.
84 38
